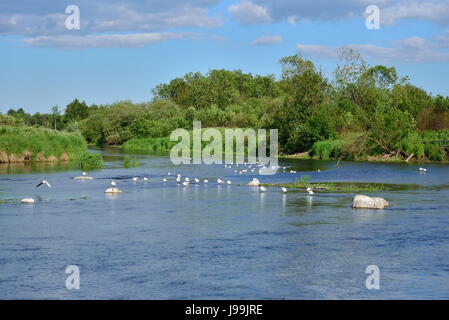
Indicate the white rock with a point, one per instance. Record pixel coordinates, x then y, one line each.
83 178
365 202
113 190
254 182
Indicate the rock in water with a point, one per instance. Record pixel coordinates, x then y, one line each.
27 200
365 202
113 190
83 178
254 182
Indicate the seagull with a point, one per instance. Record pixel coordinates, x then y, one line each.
206 181
164 179
197 180
262 188
145 179
44 182
178 179
135 179
84 173
113 183
310 191
229 182
168 173
185 183
423 169
187 179
219 181
284 189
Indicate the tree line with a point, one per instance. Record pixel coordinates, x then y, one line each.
361 111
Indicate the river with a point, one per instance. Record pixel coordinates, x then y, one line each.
160 240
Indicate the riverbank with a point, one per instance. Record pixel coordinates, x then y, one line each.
29 144
383 158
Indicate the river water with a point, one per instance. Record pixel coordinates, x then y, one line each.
159 240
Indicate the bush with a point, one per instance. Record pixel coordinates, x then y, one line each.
90 161
328 149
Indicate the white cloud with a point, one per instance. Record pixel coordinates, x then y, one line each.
330 10
412 50
268 40
292 20
436 11
249 13
27 18
104 41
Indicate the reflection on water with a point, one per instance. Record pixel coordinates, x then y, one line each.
35 167
161 240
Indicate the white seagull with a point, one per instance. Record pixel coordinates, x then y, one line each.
229 182
197 180
113 183
135 179
219 181
145 179
206 181
185 183
44 182
284 189
423 169
310 191
262 188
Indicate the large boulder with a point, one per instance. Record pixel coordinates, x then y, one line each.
365 202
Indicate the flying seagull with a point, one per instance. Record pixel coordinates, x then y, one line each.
44 182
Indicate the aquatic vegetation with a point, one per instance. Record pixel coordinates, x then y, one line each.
129 162
350 187
90 161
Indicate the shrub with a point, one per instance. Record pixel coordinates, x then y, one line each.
90 161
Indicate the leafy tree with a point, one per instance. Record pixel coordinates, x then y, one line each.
76 111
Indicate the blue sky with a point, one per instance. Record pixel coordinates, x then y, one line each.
123 49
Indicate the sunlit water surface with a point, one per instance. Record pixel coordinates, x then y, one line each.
163 241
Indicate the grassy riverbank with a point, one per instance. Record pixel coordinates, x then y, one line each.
20 144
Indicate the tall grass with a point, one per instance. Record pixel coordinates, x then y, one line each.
328 149
40 142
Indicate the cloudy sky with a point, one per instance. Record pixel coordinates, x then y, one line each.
124 48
